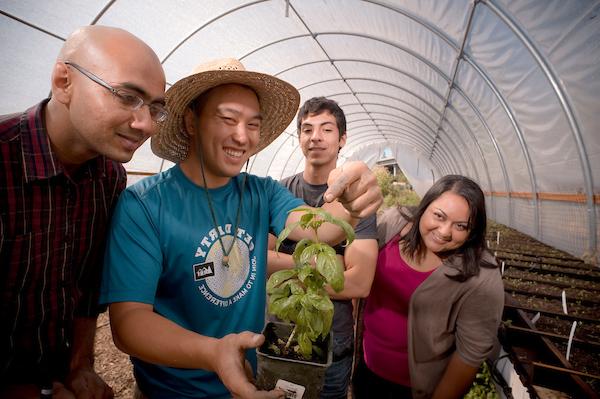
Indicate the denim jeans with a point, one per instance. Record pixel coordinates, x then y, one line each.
337 376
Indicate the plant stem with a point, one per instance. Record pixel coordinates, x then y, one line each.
289 341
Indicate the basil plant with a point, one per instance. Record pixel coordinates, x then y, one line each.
298 295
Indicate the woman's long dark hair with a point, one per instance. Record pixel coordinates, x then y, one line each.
472 249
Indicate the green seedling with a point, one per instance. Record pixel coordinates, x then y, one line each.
298 295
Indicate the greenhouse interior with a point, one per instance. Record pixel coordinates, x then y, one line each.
504 92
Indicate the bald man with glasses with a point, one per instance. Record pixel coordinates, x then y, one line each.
60 177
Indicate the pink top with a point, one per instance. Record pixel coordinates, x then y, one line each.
385 339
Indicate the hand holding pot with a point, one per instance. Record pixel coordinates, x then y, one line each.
229 364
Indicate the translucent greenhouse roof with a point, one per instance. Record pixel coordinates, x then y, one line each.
505 92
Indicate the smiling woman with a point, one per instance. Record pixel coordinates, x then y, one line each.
444 226
432 262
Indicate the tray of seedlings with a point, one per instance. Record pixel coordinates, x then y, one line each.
551 321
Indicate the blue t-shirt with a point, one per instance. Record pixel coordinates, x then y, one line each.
163 250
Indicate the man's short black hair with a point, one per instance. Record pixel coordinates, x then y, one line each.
318 105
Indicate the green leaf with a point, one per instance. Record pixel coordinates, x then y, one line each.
279 277
286 308
304 272
305 345
308 253
300 247
317 314
304 319
314 282
290 307
314 323
306 219
276 306
323 215
330 267
296 287
288 287
284 234
319 302
482 386
325 248
327 320
348 230
279 293
317 326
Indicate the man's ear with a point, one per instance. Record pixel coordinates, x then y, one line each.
62 85
189 122
342 140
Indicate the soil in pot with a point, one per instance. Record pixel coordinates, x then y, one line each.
296 373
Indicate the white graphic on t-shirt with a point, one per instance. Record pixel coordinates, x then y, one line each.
229 283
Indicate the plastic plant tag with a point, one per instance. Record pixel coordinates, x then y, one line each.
497 237
564 302
571 339
292 391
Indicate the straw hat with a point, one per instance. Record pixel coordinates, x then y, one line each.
278 104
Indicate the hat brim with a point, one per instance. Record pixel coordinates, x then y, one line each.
278 101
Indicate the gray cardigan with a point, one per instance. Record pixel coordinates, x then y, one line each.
447 316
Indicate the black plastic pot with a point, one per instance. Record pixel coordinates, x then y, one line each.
272 368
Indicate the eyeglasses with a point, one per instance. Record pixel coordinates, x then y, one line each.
126 98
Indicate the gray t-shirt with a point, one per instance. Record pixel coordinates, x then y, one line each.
343 323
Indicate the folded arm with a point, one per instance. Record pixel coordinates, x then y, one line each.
359 259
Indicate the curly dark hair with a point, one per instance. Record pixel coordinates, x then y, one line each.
318 105
472 249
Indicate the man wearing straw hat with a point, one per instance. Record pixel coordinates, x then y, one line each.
60 177
186 259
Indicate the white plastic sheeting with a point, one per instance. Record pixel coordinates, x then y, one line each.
506 92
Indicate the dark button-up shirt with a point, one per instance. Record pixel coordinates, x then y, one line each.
52 235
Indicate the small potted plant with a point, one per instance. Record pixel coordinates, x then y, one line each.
297 351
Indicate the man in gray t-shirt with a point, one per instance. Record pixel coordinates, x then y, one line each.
322 133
